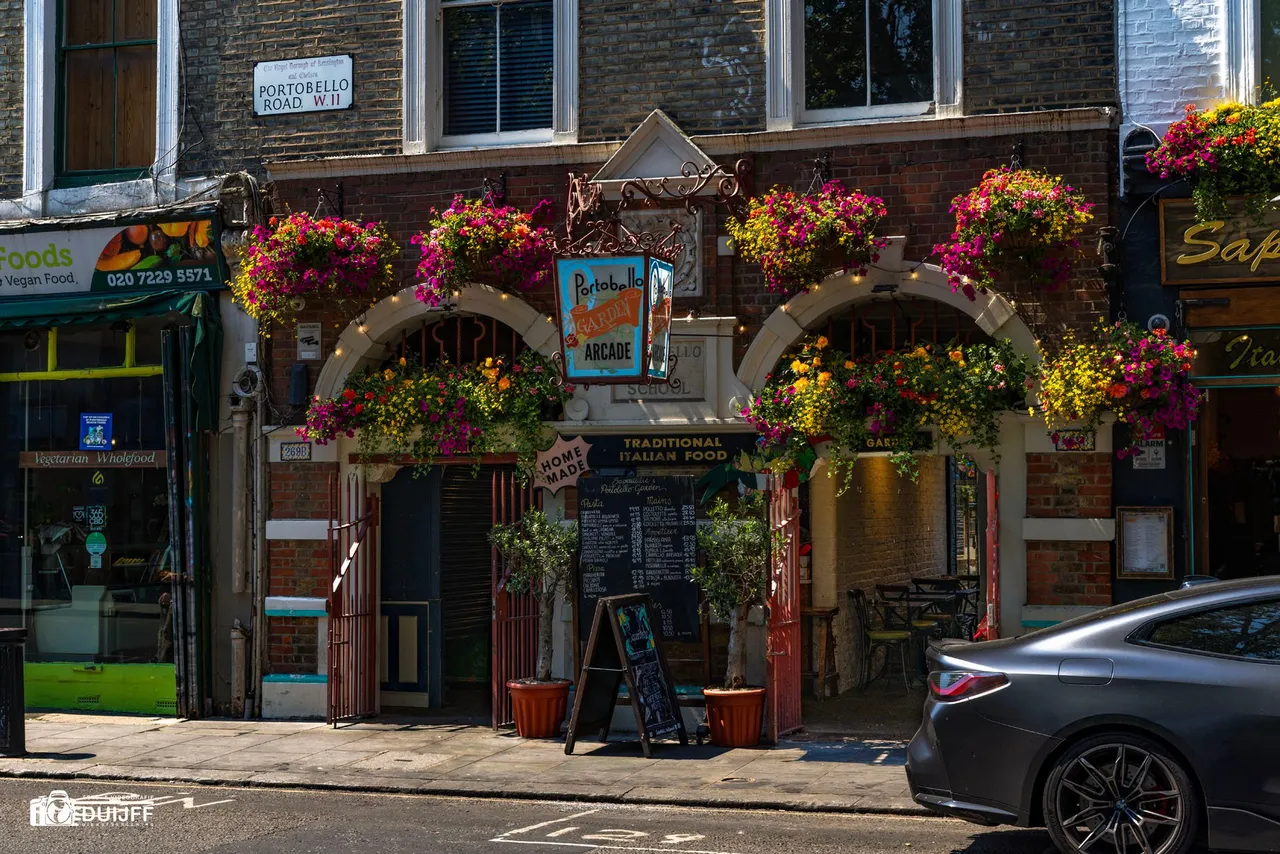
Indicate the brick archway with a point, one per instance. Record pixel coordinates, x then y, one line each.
790 322
361 343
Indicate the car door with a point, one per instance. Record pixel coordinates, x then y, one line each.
1222 699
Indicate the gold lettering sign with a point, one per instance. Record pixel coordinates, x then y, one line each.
1231 250
1239 353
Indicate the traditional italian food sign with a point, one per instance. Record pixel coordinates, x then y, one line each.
1236 353
608 308
1232 250
158 253
303 85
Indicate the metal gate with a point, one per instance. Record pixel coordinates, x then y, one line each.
353 670
515 618
783 648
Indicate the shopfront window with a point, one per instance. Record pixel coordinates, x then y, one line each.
84 495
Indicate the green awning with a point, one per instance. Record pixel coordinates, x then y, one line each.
196 308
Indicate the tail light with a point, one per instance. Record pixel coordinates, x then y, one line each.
949 686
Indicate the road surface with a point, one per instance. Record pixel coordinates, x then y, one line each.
167 819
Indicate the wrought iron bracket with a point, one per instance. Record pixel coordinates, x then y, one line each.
495 189
337 201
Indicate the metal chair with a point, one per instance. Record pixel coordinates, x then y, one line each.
880 627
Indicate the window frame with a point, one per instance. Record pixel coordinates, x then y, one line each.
42 192
1142 636
424 81
64 177
785 72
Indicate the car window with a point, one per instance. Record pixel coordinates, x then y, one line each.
1250 630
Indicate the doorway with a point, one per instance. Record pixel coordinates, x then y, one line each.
1238 480
436 592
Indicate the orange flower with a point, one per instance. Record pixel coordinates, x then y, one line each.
1118 390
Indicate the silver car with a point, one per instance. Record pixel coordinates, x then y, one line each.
1144 728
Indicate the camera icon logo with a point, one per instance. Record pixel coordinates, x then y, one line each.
56 809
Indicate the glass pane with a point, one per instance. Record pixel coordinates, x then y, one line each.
1245 631
528 52
901 51
23 350
87 21
82 347
135 19
136 106
470 71
1269 45
89 106
148 339
835 57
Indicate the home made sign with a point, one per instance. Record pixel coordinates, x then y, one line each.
615 317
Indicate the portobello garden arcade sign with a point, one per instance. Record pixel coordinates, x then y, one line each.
615 317
1231 250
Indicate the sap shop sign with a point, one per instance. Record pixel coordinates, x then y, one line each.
304 85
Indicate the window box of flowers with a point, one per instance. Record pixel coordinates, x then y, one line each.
1226 151
1016 223
343 264
473 242
821 394
1143 377
443 411
801 238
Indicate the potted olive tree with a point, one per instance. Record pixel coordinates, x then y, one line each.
538 553
734 575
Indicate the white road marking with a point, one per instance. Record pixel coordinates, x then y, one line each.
552 837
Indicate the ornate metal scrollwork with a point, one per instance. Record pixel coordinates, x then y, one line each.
731 188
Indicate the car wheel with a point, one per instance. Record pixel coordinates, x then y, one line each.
1120 794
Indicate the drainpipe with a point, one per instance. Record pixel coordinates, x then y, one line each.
238 637
239 496
259 632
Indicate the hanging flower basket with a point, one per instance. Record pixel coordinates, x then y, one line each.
473 242
1143 377
1017 223
801 238
1227 151
884 402
445 410
344 265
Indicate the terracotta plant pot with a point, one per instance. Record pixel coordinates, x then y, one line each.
735 716
539 707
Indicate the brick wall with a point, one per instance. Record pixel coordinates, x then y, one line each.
889 531
1039 56
703 63
1068 573
1173 54
221 42
11 89
292 645
1069 485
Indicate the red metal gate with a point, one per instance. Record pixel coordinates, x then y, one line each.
993 557
783 648
515 618
353 672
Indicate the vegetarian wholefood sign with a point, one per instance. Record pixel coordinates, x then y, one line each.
615 317
146 254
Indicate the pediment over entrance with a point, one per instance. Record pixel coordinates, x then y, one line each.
657 148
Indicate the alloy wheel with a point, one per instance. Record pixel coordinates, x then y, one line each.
1120 798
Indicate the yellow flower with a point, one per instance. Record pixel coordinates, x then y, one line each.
799 367
848 365
403 362
824 378
817 362
488 363
956 356
822 342
388 373
801 384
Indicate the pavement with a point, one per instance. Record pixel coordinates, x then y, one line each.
237 820
412 756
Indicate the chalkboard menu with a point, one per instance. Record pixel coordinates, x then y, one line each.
624 646
638 535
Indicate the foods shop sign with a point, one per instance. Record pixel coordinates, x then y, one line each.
615 317
137 255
